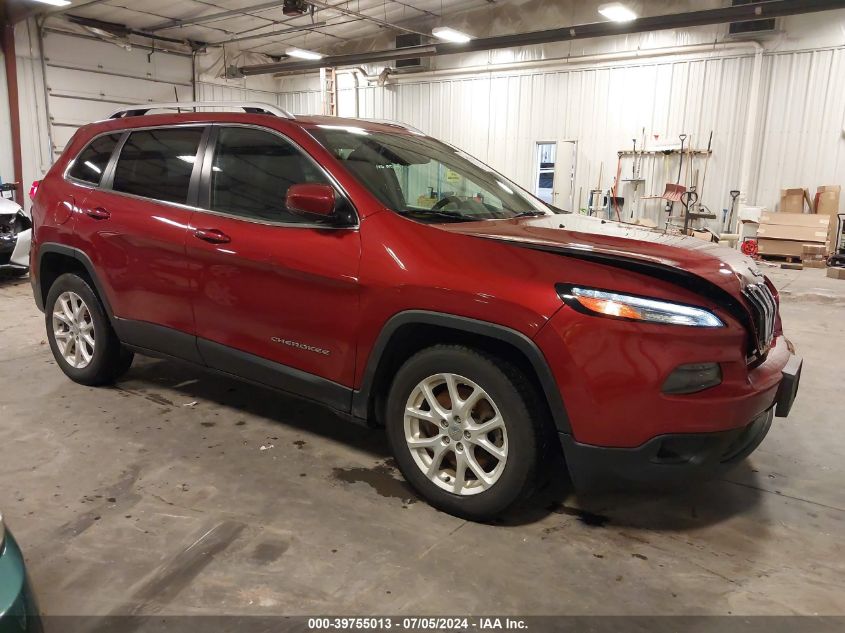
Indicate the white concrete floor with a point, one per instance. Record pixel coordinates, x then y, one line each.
107 489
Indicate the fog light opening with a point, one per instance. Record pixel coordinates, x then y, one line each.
693 378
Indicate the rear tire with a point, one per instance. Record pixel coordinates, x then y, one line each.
464 427
81 337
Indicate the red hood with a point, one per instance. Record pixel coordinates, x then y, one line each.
589 237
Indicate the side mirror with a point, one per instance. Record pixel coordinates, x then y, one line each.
311 200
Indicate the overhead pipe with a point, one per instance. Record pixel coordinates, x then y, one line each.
753 11
553 62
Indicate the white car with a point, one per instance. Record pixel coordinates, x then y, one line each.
15 238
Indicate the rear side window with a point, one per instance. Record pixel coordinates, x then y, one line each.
92 161
158 163
252 171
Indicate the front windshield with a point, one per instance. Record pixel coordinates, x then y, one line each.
424 178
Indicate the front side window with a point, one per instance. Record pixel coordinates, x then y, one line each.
92 161
424 178
158 163
252 172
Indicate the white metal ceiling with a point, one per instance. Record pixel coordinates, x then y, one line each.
268 30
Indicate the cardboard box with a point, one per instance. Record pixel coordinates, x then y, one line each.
814 263
801 233
792 200
784 248
836 273
827 199
707 236
819 222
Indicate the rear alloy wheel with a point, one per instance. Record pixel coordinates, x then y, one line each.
456 434
464 429
81 337
73 329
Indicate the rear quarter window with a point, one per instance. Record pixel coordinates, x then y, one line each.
91 162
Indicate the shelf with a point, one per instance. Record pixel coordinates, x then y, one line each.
666 152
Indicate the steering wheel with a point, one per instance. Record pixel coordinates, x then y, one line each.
444 202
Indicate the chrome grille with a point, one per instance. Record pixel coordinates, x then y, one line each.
764 311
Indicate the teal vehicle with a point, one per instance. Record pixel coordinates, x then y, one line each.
18 611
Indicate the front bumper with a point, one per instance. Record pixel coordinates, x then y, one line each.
666 461
677 459
14 250
18 609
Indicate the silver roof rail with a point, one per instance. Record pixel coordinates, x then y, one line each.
250 107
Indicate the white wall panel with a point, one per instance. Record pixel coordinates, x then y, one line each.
500 117
804 121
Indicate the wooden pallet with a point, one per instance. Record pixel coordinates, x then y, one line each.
790 259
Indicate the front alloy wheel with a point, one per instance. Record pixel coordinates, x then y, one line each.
456 434
465 429
73 330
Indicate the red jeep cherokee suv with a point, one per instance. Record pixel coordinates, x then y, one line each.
403 283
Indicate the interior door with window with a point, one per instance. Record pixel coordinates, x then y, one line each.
134 227
564 170
277 299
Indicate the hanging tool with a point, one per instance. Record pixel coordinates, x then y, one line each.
706 161
634 162
595 194
672 193
734 196
615 189
688 199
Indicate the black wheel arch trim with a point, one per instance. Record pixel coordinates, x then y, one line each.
82 258
551 392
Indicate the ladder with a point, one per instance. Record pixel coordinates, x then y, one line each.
328 90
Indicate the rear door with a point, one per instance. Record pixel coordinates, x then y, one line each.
272 286
134 228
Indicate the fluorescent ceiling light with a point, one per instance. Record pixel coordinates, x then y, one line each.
91 165
617 12
302 53
451 35
55 3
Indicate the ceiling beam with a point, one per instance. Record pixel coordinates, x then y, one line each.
220 15
255 36
752 11
364 16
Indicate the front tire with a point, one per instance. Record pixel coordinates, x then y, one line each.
81 337
464 427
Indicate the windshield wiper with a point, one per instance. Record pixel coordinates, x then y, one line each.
529 214
452 215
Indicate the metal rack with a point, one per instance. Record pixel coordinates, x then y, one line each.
250 107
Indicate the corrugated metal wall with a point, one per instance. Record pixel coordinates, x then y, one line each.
798 127
803 121
304 102
501 117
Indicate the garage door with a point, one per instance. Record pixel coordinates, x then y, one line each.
88 79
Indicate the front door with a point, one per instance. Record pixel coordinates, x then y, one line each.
134 227
277 300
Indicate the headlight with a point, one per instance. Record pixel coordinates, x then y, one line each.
634 308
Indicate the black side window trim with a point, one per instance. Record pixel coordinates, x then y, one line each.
207 147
